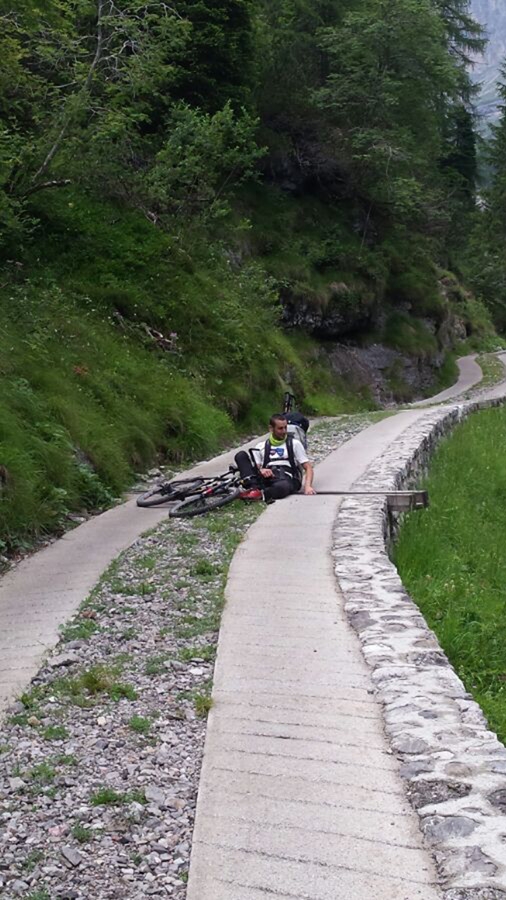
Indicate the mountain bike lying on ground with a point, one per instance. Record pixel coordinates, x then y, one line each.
195 496
198 495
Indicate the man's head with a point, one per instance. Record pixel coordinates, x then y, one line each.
278 427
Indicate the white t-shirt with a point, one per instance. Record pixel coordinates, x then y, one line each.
279 455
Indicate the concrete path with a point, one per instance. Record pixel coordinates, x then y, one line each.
300 796
469 375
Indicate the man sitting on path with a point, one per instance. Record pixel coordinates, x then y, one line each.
277 467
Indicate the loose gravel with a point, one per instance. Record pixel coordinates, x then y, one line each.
100 758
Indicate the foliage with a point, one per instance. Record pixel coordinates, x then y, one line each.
388 72
94 95
403 332
219 63
88 397
201 155
94 406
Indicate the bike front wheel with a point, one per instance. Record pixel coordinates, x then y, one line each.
167 492
204 503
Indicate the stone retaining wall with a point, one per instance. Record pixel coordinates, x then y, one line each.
453 765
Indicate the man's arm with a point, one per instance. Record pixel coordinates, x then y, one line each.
258 456
302 458
308 480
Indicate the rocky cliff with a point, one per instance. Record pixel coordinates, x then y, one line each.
492 15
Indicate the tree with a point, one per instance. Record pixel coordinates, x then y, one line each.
389 77
485 262
459 150
464 35
91 94
292 64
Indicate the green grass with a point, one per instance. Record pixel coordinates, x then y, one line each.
39 894
156 664
81 408
452 561
207 652
84 688
409 335
194 626
82 834
108 797
447 374
203 704
204 569
32 860
88 397
139 724
200 697
493 370
129 634
79 630
85 404
44 773
66 759
55 733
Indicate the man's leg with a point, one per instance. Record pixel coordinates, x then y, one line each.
249 474
280 487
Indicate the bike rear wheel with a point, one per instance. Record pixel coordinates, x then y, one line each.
204 503
167 492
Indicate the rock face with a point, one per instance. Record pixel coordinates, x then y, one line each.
342 312
389 375
492 15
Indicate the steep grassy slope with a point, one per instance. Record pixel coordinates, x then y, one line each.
118 349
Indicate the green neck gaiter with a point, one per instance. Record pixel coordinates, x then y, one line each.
275 443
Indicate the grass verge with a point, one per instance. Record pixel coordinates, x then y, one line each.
451 558
492 368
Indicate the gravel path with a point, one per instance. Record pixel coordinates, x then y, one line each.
100 760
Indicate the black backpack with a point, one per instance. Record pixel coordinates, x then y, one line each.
298 426
296 418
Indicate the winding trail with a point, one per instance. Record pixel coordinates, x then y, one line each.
470 374
300 796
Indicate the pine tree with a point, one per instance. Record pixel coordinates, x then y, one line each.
496 196
465 37
460 148
389 73
486 261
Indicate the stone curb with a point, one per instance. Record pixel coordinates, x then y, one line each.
454 767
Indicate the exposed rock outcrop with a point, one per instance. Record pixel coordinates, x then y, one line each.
389 374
